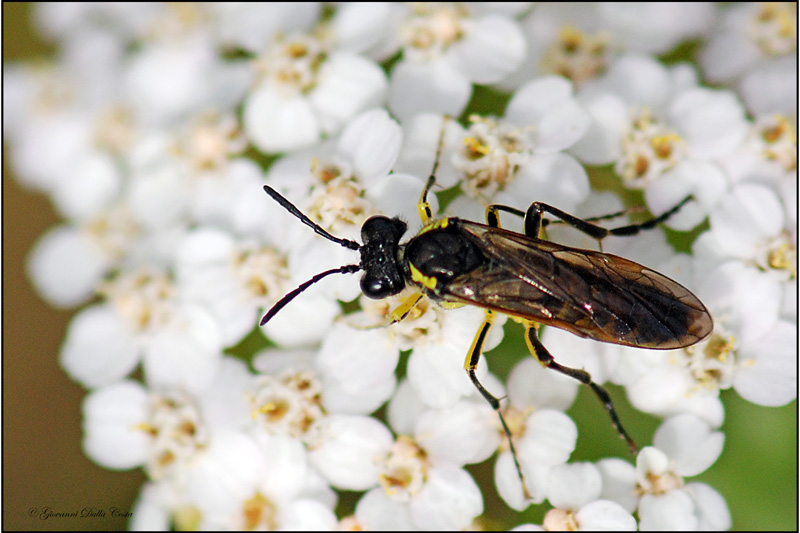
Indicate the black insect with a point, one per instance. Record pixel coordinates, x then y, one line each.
458 262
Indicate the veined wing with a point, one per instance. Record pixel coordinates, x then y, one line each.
591 294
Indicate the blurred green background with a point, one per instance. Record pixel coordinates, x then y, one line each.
44 467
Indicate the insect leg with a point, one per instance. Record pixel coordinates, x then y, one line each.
402 310
424 207
610 216
471 365
493 217
541 354
533 221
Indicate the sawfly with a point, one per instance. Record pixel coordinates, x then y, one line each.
457 262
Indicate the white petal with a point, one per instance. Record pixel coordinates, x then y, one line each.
690 442
371 141
275 122
357 360
651 461
450 500
112 418
746 218
204 246
377 512
601 144
421 136
660 389
438 376
619 482
550 438
770 377
346 85
506 479
549 105
710 507
750 300
93 185
712 122
603 515
187 353
150 511
704 181
306 515
350 454
463 434
572 486
66 267
672 511
556 179
359 26
771 87
530 384
98 349
434 87
225 473
404 409
398 195
639 79
304 322
493 48
340 397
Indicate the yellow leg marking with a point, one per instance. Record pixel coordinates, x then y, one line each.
424 207
531 348
402 310
475 351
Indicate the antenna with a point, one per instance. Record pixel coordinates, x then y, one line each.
346 269
289 206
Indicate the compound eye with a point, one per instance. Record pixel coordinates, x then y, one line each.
378 288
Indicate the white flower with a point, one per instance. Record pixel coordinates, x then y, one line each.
509 160
199 79
655 28
446 49
574 491
425 494
548 440
357 368
747 278
306 90
543 435
747 35
126 425
663 133
66 266
440 344
235 279
179 343
339 186
579 41
771 88
238 483
684 446
151 132
253 26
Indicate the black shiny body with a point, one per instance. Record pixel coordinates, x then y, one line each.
591 294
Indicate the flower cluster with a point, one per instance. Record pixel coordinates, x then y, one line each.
155 129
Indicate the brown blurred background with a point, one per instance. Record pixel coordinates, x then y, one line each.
43 465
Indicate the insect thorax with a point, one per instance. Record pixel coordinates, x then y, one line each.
438 255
